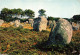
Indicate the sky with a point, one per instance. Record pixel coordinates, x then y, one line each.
55 8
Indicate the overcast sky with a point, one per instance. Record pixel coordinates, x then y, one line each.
55 8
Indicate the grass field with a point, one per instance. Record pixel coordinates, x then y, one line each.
17 41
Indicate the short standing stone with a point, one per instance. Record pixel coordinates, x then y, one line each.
26 21
31 21
40 24
1 22
12 23
20 26
17 23
75 26
62 33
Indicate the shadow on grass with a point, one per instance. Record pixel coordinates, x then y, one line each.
69 49
43 46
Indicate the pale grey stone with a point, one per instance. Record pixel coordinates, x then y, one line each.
40 23
1 22
62 33
16 23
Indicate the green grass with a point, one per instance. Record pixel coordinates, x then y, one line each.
19 41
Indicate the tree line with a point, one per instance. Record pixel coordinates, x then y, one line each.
7 14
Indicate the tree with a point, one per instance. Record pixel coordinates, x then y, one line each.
50 18
42 12
76 17
29 13
19 11
4 12
53 18
14 11
23 13
10 13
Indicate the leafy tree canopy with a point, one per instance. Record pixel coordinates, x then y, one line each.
76 17
41 12
4 11
52 18
29 13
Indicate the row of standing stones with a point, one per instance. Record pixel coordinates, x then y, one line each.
61 31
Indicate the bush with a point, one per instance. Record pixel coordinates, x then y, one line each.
23 20
53 18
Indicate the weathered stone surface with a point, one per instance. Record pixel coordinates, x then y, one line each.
40 24
12 23
31 21
75 26
20 26
1 22
49 22
52 24
16 23
31 24
62 32
26 21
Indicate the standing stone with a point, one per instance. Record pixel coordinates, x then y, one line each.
31 21
75 26
1 22
31 24
26 21
52 24
16 23
12 23
79 25
21 26
40 24
49 22
62 32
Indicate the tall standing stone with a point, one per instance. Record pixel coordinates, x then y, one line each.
62 32
1 22
40 24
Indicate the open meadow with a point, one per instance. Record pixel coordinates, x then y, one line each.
25 41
